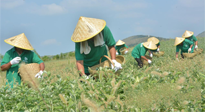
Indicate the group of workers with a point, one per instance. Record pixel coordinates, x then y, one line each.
186 43
93 39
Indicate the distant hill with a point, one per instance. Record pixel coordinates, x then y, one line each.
134 40
201 34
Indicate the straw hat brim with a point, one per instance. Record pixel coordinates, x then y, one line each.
119 43
19 41
80 28
18 46
153 39
150 45
177 42
187 34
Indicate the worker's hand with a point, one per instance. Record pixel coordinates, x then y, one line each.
126 52
16 60
85 77
116 66
39 74
189 50
196 47
157 49
117 53
149 61
151 55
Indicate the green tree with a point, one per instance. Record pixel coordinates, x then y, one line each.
45 58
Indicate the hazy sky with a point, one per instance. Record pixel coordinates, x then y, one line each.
49 24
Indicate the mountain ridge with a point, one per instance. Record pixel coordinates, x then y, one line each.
136 39
202 34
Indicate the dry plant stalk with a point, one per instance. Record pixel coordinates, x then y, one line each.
91 92
119 101
115 87
179 87
79 85
92 86
165 73
79 106
156 73
148 69
63 99
181 80
113 82
90 104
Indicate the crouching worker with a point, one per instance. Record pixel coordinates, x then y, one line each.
140 50
21 52
91 37
190 36
155 41
120 44
185 45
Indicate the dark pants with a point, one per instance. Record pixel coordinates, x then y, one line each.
139 61
182 56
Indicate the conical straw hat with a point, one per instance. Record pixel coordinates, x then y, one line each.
87 28
120 42
187 34
153 39
19 41
150 45
178 40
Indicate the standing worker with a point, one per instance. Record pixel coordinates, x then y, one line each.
155 41
120 44
91 36
184 44
140 50
21 52
190 35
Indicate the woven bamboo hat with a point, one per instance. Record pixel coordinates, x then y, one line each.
153 39
87 28
19 41
119 43
178 40
187 34
150 45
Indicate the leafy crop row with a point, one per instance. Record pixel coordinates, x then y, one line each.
166 85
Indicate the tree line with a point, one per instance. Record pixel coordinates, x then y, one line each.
58 56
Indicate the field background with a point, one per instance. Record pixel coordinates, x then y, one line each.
166 85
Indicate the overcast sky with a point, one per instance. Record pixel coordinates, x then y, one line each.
49 24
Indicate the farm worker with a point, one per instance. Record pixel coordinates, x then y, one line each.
155 41
140 50
120 44
184 44
91 36
190 35
21 52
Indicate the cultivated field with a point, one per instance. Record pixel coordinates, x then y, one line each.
166 85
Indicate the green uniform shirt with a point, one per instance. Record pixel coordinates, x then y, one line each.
119 47
185 46
139 51
12 73
193 39
97 52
